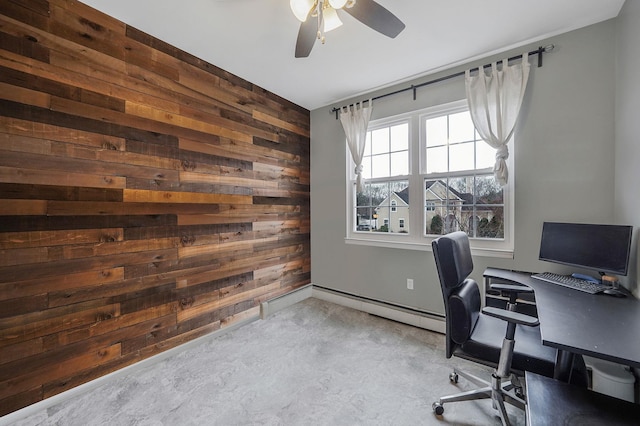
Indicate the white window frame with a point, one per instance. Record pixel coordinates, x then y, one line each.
416 239
375 238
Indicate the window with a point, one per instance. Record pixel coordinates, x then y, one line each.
385 168
459 179
452 177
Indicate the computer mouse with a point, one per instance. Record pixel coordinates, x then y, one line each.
614 292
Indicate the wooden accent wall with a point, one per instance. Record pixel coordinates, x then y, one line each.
146 197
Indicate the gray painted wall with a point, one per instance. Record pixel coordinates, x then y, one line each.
564 160
627 128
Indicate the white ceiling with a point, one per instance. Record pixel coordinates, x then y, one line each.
255 39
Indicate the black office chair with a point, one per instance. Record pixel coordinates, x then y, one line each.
480 336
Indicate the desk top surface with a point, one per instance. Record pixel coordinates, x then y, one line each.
596 325
552 402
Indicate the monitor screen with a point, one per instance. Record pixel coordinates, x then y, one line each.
603 248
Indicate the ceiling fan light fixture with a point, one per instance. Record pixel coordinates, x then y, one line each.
301 8
331 19
337 4
369 12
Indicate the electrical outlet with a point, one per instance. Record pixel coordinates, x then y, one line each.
409 284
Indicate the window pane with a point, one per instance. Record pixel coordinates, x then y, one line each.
363 198
364 218
390 204
380 141
434 213
380 166
463 186
490 221
450 205
389 152
437 159
436 129
400 137
400 163
366 167
400 186
379 192
485 155
459 204
461 156
461 127
488 190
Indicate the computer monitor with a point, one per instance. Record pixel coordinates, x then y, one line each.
602 248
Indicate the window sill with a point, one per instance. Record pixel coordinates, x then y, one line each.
412 245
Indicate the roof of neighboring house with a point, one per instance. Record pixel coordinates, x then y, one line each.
404 195
468 198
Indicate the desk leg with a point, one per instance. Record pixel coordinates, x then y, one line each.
570 369
564 364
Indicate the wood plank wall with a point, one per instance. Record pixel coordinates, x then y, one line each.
146 197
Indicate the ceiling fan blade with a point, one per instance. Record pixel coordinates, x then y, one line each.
307 36
377 17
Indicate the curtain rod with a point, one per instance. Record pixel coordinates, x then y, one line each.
539 51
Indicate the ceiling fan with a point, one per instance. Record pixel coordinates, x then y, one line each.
320 16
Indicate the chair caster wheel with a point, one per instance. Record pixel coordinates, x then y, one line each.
520 393
453 377
437 408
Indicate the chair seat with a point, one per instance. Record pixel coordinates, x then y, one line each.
485 343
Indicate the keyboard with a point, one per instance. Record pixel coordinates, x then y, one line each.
571 282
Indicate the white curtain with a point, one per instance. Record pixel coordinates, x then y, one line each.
355 120
494 102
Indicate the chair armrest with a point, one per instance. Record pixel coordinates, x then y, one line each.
510 288
511 316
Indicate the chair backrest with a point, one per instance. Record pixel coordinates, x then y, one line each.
461 295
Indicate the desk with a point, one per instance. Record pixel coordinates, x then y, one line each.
575 322
551 402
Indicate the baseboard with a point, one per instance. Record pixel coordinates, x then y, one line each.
382 309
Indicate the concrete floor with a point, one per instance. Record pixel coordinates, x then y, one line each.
313 363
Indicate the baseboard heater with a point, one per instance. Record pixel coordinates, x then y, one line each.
392 311
278 303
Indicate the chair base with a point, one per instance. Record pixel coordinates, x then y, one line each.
498 390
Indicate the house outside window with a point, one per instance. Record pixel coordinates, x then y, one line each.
451 175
